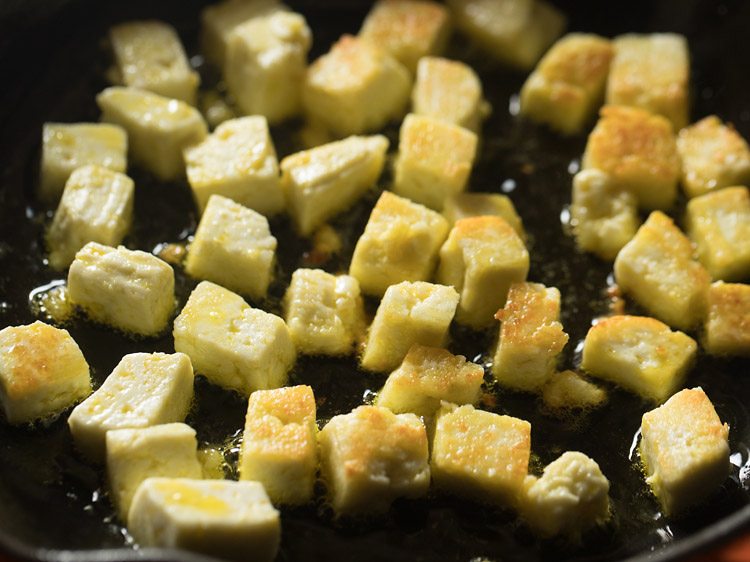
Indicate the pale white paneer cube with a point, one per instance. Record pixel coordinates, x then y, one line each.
130 290
144 389
265 64
480 455
531 337
42 372
427 376
434 160
221 518
67 146
408 29
570 497
640 354
134 454
238 161
149 56
409 313
233 247
604 218
324 181
158 128
370 457
657 269
714 155
685 451
279 446
568 390
449 90
567 86
637 150
719 225
465 205
652 72
727 324
481 258
232 344
516 32
96 206
400 243
355 88
324 312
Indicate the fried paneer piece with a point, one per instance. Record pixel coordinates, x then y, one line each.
727 324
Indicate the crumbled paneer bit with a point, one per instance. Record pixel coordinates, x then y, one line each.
568 389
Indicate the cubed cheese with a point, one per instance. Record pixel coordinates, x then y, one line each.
234 345
568 389
372 456
727 325
465 205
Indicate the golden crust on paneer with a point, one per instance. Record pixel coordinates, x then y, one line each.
727 325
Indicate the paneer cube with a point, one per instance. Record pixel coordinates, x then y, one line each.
324 312
130 290
220 518
96 206
657 269
234 345
149 56
400 243
355 88
684 450
167 450
279 446
637 150
42 372
640 354
434 160
719 224
144 389
465 205
531 337
568 389
370 457
409 313
481 258
238 161
727 325
652 72
233 247
265 65
480 455
158 128
567 87
66 147
324 181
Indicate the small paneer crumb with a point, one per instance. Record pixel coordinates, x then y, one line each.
355 88
727 325
144 389
427 376
158 128
232 344
685 451
324 312
167 450
531 337
42 372
279 447
637 150
567 86
233 247
221 518
465 205
238 161
370 457
481 259
409 313
719 224
652 72
657 269
326 180
481 455
714 155
640 354
400 243
434 160
215 108
570 390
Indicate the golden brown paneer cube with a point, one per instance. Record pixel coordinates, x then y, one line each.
465 205
727 326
